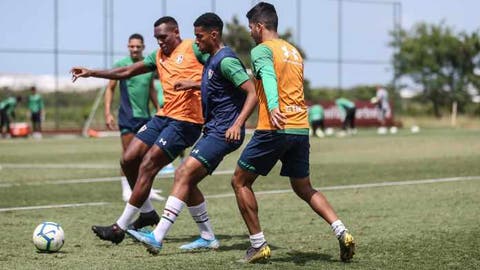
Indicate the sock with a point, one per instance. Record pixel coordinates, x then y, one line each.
199 214
173 207
147 206
127 216
257 240
338 228
126 190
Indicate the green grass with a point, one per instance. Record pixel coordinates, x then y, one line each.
419 226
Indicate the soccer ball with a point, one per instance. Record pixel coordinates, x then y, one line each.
48 237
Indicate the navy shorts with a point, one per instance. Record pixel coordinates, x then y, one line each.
130 125
210 151
172 136
267 147
36 117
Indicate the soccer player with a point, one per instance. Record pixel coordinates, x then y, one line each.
175 127
383 108
36 108
225 110
281 134
315 118
348 111
7 112
133 111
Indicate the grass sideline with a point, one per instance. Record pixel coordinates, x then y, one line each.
424 226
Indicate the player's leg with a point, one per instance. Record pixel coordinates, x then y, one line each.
204 159
258 158
130 162
125 139
184 191
295 164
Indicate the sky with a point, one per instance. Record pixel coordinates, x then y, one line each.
28 25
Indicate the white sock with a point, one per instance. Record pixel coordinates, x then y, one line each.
126 190
127 216
257 240
338 228
173 207
200 215
147 206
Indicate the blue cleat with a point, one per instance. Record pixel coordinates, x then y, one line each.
201 243
148 240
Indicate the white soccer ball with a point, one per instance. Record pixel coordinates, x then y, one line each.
48 237
414 129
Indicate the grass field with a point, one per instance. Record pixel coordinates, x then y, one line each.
373 182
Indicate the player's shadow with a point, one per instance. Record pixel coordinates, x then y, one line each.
301 258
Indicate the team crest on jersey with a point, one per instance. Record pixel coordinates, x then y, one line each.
210 74
179 59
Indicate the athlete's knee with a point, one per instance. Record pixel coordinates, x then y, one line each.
303 189
183 176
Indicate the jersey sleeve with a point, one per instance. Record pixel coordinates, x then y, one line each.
262 62
233 70
151 60
201 57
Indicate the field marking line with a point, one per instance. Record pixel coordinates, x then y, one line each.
56 166
94 180
51 206
359 186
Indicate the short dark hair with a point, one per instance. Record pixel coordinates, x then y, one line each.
264 13
18 98
136 36
209 21
168 20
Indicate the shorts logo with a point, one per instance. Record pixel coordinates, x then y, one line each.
162 141
143 128
210 74
195 151
179 59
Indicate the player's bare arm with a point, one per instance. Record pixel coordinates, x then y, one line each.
153 95
113 74
109 92
234 132
186 85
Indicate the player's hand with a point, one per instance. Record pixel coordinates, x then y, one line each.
110 121
277 118
233 134
78 72
185 85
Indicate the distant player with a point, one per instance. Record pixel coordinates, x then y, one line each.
383 108
133 112
36 108
7 114
225 109
281 134
316 120
175 127
348 111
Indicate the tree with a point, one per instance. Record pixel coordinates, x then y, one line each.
439 60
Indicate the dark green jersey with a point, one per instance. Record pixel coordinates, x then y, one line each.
134 92
35 103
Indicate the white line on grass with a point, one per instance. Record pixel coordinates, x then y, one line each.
56 166
93 180
370 185
51 206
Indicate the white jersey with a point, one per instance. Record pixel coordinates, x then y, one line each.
382 97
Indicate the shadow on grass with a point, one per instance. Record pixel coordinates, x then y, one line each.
301 258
